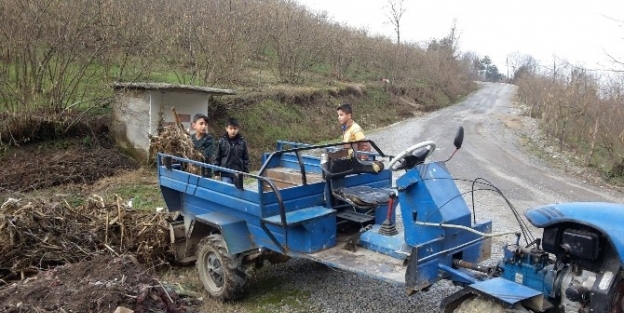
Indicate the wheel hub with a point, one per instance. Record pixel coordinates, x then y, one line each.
215 269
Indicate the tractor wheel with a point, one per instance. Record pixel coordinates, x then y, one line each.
221 273
617 298
479 305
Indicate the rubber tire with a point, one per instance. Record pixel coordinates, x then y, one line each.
479 305
616 294
227 279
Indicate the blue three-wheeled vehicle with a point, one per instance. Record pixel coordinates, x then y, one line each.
333 205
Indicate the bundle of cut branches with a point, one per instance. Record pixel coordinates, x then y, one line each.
175 140
41 234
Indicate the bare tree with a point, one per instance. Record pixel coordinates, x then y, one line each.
396 11
520 64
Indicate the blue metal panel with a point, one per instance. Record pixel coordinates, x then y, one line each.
455 237
294 198
193 206
393 246
262 239
458 275
474 253
183 181
209 200
381 213
273 163
299 216
308 237
311 164
234 231
427 274
605 217
428 249
231 198
505 290
314 235
172 198
433 256
290 160
428 193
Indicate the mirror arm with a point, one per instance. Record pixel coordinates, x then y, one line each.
452 154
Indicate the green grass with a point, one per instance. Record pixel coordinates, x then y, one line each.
263 293
144 197
269 294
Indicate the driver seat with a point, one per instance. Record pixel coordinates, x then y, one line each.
339 165
363 197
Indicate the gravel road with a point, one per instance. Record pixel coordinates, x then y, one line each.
492 150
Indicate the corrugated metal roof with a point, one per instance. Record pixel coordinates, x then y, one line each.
174 87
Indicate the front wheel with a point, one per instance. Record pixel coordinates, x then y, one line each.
478 305
616 297
221 273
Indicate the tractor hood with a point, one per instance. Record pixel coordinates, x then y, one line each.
605 217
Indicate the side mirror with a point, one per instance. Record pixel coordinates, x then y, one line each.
459 137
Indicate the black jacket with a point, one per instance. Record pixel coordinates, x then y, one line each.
205 145
232 153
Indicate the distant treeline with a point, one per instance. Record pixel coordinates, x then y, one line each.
581 110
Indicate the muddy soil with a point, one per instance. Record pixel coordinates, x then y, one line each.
37 166
99 285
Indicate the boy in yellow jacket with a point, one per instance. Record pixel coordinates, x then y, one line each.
351 131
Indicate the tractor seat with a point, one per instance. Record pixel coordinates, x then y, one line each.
363 196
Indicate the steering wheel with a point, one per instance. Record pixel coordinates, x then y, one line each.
398 162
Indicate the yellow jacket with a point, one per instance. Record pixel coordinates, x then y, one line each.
353 133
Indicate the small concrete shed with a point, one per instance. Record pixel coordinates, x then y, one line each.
143 109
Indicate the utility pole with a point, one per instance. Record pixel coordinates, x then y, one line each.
507 65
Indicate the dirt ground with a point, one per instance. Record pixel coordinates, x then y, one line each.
98 285
37 166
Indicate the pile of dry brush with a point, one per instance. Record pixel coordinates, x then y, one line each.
175 140
41 234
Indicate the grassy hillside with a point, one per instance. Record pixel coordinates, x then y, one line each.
291 67
308 114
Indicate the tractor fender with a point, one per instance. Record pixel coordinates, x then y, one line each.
234 231
501 292
604 217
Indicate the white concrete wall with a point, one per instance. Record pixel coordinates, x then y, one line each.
130 120
187 105
137 113
155 102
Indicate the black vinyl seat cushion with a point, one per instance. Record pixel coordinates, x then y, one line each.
364 196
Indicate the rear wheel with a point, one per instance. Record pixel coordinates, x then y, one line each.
479 305
221 273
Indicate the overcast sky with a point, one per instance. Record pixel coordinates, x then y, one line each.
581 32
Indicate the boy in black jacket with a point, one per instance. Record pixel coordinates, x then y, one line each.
232 151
